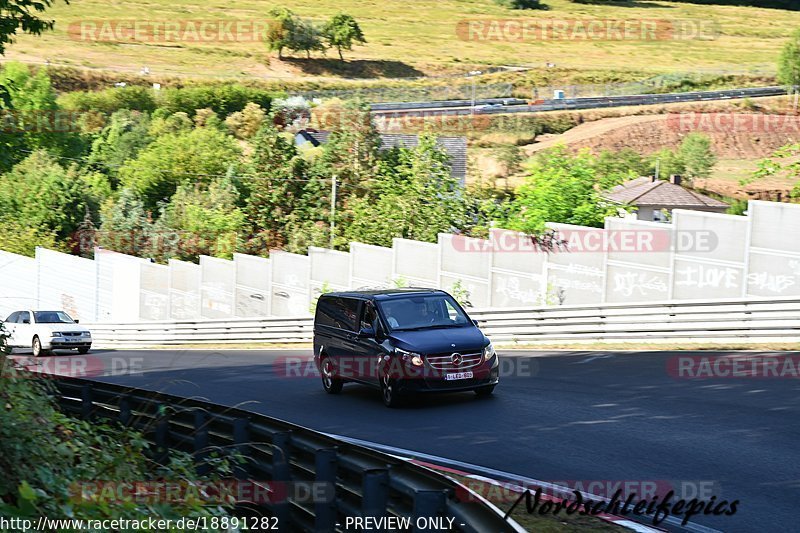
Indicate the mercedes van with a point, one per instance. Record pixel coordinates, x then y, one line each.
403 342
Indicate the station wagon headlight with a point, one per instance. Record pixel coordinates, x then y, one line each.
488 351
414 358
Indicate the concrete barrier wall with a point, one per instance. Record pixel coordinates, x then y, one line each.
698 256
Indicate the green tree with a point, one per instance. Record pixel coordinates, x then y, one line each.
669 162
696 155
559 188
24 15
306 37
126 226
200 155
413 196
206 221
275 182
281 30
784 162
40 192
126 134
510 156
342 32
613 168
789 62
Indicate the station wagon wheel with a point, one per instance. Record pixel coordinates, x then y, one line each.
330 382
36 347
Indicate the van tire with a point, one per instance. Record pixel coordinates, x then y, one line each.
389 393
330 382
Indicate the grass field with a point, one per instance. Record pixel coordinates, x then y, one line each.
414 38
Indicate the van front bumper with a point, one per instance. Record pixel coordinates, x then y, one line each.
487 374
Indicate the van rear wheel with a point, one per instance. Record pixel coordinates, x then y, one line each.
330 382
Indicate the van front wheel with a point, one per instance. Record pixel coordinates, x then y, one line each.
330 382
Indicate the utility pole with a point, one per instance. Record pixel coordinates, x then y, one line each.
333 210
658 164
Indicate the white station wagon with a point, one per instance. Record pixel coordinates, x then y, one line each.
44 331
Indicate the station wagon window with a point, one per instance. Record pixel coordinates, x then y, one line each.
338 312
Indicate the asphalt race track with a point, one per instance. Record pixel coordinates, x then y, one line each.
560 416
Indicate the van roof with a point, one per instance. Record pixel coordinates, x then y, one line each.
382 294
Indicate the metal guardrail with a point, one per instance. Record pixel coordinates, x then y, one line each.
513 105
364 482
751 320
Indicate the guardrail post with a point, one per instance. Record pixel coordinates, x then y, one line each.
162 434
124 410
281 474
375 492
241 440
86 402
200 437
326 462
427 504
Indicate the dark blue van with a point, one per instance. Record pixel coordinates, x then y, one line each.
401 341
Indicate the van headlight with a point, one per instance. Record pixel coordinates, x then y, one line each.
488 351
410 357
55 334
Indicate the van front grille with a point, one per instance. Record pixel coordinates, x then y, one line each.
445 361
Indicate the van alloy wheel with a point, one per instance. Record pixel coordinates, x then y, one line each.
330 382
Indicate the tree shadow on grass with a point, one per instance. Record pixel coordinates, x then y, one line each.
358 68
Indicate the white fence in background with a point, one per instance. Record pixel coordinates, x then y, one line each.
735 321
741 257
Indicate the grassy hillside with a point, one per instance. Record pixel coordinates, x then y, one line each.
413 37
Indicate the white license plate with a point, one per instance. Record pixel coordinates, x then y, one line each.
458 375
73 340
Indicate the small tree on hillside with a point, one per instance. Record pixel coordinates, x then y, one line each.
281 30
789 62
341 32
306 37
696 155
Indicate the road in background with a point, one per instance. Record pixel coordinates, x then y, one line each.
564 416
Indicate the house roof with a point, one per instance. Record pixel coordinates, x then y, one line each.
456 147
646 192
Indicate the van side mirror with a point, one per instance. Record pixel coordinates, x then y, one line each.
475 322
366 332
26 320
77 321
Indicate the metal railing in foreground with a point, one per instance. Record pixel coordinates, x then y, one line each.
361 482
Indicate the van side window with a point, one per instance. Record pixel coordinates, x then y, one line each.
12 319
23 316
369 317
337 312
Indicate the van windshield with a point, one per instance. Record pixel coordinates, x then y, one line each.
422 312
